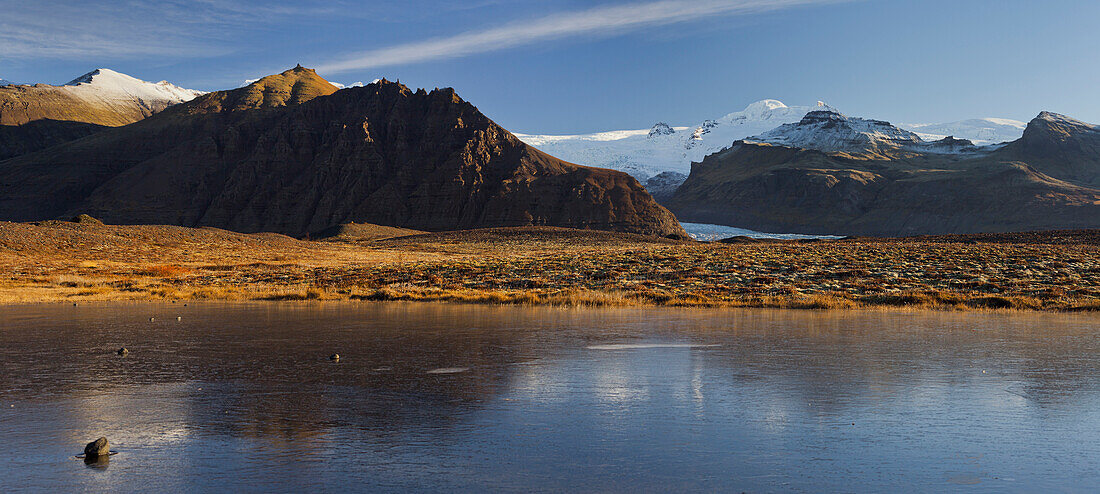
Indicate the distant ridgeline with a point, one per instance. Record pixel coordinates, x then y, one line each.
831 174
290 153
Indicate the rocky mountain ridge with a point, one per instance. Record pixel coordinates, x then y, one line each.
291 154
645 153
833 132
889 183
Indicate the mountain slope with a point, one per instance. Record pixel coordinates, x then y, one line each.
34 117
648 152
1060 146
645 153
101 97
831 131
291 154
844 180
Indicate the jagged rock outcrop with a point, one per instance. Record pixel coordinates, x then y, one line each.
661 129
290 154
876 184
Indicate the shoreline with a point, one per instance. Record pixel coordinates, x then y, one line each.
574 298
575 301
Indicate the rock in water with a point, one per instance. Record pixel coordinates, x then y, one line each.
99 447
123 351
334 357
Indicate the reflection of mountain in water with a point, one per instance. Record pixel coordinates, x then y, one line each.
249 388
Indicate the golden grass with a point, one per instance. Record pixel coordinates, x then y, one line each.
541 267
164 271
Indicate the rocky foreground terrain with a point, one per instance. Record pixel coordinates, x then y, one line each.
74 262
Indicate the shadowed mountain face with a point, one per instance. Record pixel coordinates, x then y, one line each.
291 154
1049 179
16 140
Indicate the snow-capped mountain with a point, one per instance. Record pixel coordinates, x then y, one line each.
647 152
832 131
100 97
5 82
981 131
108 86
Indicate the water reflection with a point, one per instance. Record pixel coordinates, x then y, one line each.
465 397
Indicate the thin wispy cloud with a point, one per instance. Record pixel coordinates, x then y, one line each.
601 21
113 29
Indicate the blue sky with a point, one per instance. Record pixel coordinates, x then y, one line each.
581 66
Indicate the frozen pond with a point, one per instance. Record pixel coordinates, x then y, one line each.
243 397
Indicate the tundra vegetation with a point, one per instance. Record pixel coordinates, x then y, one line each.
69 261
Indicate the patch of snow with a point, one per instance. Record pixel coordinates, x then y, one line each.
342 86
711 233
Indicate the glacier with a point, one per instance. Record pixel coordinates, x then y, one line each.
646 153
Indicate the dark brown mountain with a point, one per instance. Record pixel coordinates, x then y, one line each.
1049 179
1058 146
290 154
